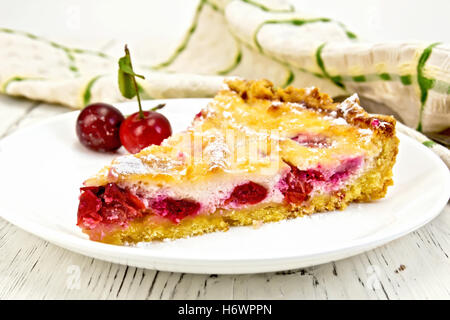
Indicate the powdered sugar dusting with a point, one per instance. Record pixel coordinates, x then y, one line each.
150 164
217 152
129 165
348 104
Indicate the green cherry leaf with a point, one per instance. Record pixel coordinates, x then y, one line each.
126 76
127 80
126 85
125 66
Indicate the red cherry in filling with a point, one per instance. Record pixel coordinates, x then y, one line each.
175 209
88 209
298 184
108 204
247 193
138 132
98 126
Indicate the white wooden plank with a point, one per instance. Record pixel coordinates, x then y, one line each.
43 112
12 111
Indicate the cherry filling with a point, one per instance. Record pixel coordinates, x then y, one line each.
108 204
113 205
175 209
312 140
298 184
247 193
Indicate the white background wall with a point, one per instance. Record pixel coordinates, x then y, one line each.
162 21
376 19
381 20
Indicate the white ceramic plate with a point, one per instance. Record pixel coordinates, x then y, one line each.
42 167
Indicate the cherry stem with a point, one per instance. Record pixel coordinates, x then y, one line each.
141 113
159 106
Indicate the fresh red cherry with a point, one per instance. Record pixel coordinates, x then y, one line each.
140 130
98 127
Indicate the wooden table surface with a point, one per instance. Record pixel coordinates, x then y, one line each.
414 266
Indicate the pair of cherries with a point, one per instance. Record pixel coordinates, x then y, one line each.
102 127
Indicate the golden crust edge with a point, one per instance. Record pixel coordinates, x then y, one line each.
313 99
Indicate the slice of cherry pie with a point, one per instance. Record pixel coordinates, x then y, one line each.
255 154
